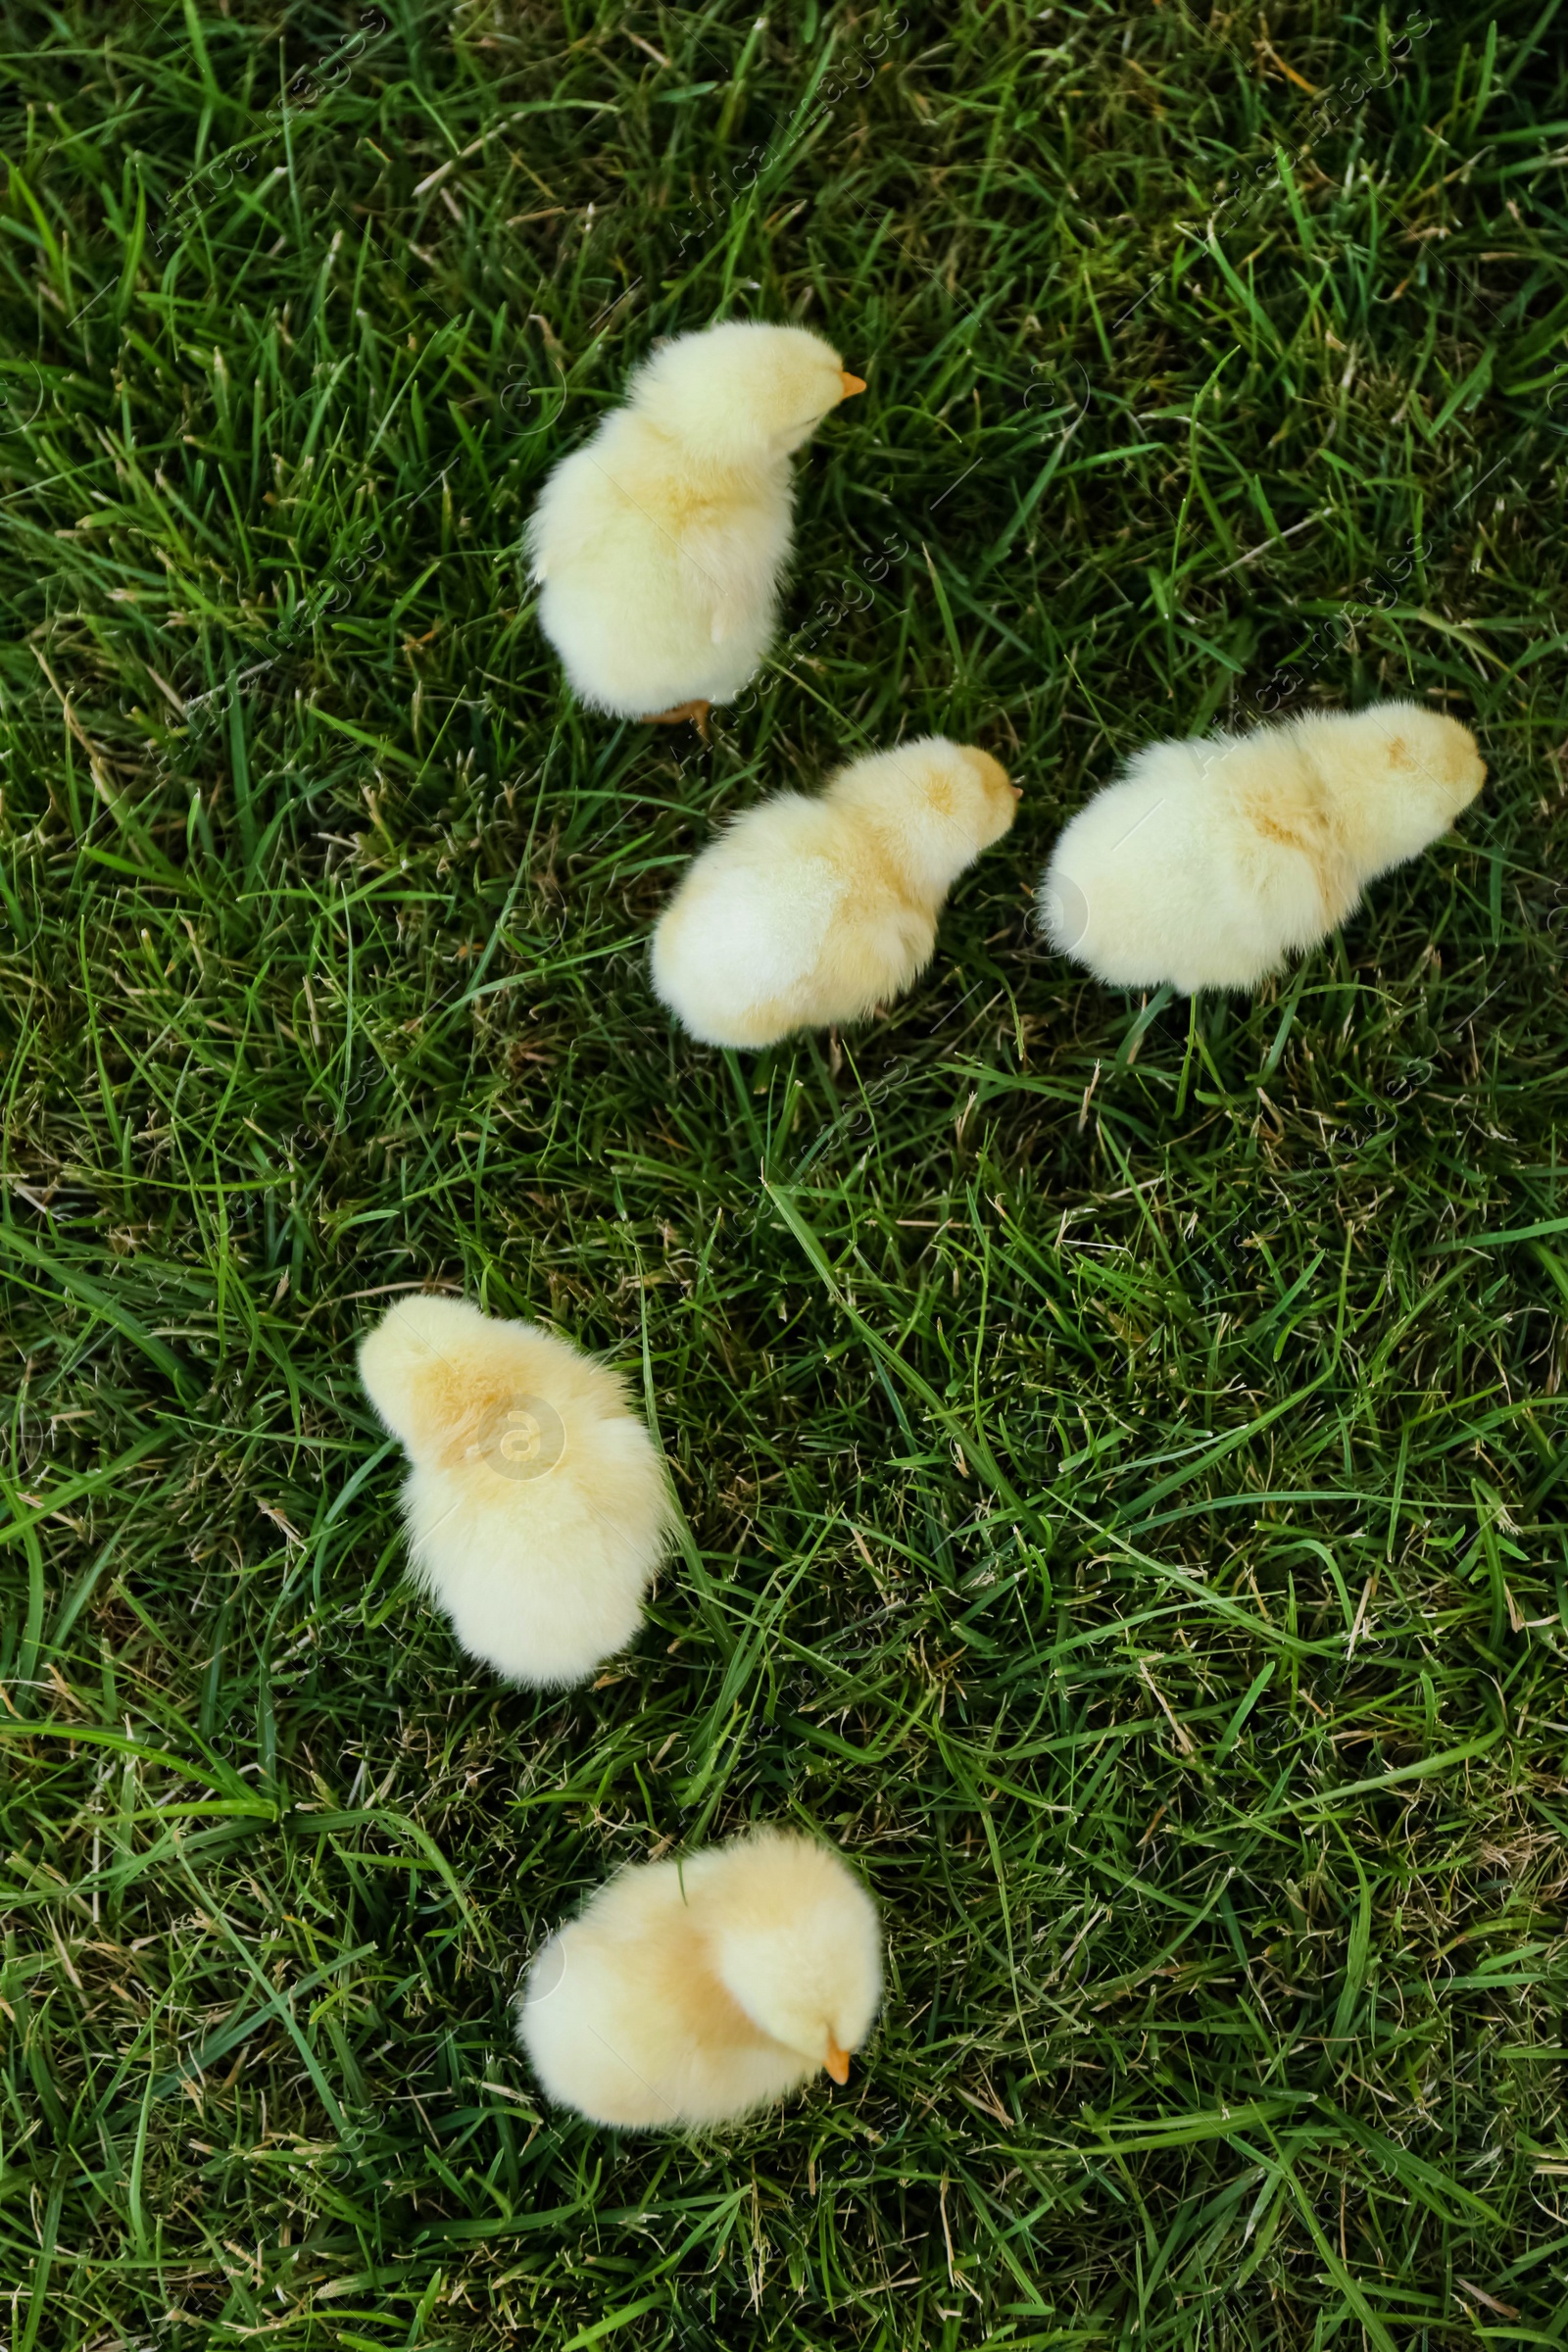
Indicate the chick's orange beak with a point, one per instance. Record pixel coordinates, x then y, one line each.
851 383
838 2061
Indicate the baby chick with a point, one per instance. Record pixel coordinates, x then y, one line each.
808 913
690 1993
660 544
1208 862
536 1506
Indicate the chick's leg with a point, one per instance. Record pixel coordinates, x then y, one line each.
696 711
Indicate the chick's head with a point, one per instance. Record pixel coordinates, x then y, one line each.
991 802
742 392
796 1945
941 803
458 1386
417 1363
1405 772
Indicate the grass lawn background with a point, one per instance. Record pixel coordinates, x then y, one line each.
1120 1442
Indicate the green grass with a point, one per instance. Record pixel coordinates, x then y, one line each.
1122 1446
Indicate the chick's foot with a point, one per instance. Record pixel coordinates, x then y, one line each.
697 713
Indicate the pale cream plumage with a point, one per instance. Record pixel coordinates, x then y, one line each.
687 1994
536 1503
811 912
1208 862
659 546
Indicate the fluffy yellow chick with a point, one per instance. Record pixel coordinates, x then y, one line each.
806 913
660 544
536 1506
691 1993
1210 861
